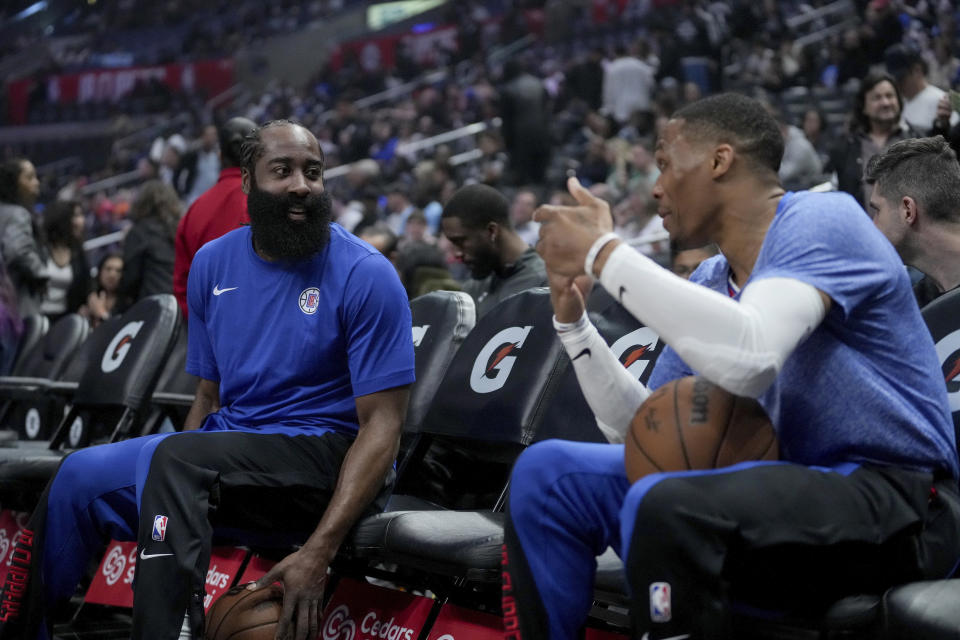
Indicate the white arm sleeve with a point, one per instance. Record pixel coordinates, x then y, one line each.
740 347
612 392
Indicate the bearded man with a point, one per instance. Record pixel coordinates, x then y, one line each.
300 335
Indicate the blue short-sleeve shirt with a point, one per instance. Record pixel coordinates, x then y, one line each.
866 385
293 344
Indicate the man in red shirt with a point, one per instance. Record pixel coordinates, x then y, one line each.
220 209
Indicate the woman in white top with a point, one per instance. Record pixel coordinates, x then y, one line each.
69 283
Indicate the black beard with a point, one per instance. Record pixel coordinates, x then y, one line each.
281 238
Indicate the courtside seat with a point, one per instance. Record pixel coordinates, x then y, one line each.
33 404
486 409
175 390
123 360
35 326
922 611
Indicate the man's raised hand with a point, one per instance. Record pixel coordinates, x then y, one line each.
567 233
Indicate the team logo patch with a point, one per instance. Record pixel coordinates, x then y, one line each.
660 602
159 528
310 300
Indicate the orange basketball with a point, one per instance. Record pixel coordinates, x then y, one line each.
240 614
691 423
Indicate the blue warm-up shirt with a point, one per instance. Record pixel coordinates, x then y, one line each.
866 386
293 344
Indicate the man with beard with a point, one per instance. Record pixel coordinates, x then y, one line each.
875 125
300 334
477 221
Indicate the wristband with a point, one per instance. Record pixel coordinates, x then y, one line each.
595 249
566 327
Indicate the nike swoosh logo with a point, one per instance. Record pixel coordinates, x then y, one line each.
146 556
585 352
217 290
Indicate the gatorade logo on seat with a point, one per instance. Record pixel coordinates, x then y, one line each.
418 334
635 349
118 348
948 351
496 359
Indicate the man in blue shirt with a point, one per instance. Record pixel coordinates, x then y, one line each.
300 334
808 310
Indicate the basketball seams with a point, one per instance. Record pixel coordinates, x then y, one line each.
677 424
640 448
726 428
228 612
256 626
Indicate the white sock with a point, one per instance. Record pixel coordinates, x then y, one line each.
185 629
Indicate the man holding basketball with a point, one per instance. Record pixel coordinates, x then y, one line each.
300 334
808 310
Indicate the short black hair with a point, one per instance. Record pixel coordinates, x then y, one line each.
58 223
253 147
477 205
739 121
231 135
924 169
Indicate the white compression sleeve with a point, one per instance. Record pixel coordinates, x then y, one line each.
612 392
740 347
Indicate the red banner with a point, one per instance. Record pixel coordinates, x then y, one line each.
362 611
374 54
11 524
256 569
112 585
112 85
457 623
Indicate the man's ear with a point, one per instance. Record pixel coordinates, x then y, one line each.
493 231
245 180
908 210
722 160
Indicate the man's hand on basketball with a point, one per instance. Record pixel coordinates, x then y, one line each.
304 576
568 295
567 233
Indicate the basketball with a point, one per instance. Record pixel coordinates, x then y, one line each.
240 614
691 423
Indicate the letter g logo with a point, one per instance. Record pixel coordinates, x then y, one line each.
494 362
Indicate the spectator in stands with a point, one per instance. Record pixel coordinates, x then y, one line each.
148 252
684 262
875 125
11 326
221 209
19 188
477 221
815 129
398 207
800 167
627 85
102 302
69 283
422 268
525 202
525 111
585 80
916 204
920 98
201 165
383 239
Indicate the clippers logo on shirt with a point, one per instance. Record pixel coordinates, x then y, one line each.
496 359
310 300
418 334
948 351
159 528
118 348
636 350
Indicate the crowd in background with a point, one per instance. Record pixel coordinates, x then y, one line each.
585 98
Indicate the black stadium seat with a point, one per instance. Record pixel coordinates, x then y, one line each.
34 415
35 326
175 390
487 408
123 359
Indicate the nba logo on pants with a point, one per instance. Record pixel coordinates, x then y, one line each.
660 602
159 528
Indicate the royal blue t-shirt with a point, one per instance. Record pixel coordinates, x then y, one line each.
293 344
866 385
